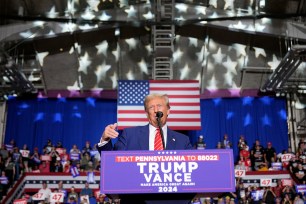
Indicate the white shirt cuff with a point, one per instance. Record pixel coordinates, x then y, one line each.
100 144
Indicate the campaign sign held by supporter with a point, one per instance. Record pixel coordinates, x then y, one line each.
20 201
171 171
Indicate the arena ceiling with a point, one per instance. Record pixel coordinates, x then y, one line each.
87 45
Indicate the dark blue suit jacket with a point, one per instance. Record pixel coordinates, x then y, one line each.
137 138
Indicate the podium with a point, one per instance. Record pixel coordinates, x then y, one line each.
169 176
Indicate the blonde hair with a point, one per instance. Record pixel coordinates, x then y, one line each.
156 95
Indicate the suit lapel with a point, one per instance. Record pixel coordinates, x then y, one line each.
143 137
170 140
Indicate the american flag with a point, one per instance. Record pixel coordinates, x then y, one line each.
74 171
184 97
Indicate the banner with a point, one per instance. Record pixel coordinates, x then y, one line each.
20 201
24 153
45 157
38 196
300 188
169 171
57 197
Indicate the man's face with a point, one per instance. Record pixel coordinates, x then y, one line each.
155 105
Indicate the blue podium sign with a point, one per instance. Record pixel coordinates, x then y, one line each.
168 171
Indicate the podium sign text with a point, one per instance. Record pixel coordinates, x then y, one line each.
169 171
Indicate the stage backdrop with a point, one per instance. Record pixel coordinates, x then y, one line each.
75 121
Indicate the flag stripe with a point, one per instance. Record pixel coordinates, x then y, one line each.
177 124
184 99
171 117
173 108
173 127
175 92
172 111
173 97
185 89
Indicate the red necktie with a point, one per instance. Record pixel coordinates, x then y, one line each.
158 145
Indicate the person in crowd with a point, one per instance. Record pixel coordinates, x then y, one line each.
75 154
196 201
263 167
73 196
227 196
257 157
57 166
288 193
200 144
17 159
2 164
47 147
10 170
270 154
241 192
245 155
78 166
219 145
64 157
44 167
101 199
269 196
293 163
241 166
252 151
300 174
281 158
45 191
66 167
11 145
278 189
25 153
226 143
35 159
96 158
87 148
86 190
301 144
242 143
61 189
298 199
84 161
55 156
257 143
286 199
59 145
4 152
4 182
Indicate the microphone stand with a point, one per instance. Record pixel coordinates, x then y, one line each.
161 132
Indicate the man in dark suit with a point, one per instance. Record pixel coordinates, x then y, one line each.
142 138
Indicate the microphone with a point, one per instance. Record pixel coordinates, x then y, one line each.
159 114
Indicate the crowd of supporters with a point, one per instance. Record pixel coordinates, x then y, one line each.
52 158
255 157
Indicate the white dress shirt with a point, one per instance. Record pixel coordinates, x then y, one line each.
152 132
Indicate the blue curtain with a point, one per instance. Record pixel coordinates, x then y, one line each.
75 121
263 118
